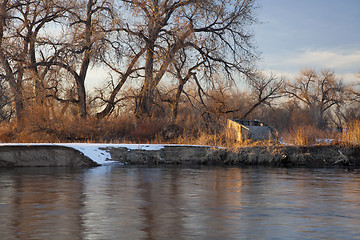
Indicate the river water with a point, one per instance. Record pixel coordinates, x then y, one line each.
128 202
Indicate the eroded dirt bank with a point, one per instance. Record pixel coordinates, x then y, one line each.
42 156
282 156
316 156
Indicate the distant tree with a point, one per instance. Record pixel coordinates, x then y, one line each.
222 99
318 93
354 91
350 111
265 90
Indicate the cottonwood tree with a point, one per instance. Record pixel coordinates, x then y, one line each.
39 17
12 73
88 23
214 31
318 92
23 40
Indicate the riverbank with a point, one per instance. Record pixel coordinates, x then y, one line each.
89 155
282 156
42 155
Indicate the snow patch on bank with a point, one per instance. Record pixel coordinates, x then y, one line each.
95 152
98 152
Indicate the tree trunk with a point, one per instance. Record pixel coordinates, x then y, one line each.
19 105
39 91
15 86
175 105
111 102
146 100
86 61
82 99
143 108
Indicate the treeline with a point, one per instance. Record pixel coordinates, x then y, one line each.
49 46
172 69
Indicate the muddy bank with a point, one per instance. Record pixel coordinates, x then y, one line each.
42 156
283 156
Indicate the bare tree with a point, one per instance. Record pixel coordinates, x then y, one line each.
123 76
317 92
183 71
265 90
23 41
349 111
222 100
354 90
10 72
89 22
154 40
213 31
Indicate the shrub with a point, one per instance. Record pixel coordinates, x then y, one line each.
147 130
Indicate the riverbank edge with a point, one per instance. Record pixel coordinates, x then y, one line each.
277 155
43 156
280 156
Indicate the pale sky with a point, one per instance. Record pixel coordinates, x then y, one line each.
321 34
297 34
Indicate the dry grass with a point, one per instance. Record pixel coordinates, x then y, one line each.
43 125
8 132
351 135
310 135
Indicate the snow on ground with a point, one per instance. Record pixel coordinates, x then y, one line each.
317 140
326 141
97 151
92 151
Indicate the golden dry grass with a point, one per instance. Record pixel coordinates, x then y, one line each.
351 134
309 135
44 125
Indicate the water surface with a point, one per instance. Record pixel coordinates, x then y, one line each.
127 202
